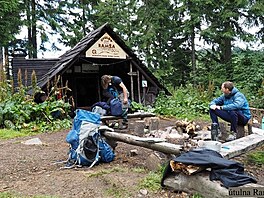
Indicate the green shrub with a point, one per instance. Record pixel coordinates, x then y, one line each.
185 102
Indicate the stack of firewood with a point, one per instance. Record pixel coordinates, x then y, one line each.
189 127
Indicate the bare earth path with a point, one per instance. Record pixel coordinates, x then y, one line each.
29 170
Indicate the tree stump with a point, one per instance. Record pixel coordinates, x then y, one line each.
139 128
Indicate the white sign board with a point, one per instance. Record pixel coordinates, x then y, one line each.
144 83
106 47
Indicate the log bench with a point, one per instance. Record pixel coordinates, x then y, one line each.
256 114
242 131
140 115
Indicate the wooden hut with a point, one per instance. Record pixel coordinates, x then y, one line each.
101 52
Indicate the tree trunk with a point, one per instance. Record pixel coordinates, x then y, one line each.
151 143
34 30
193 56
1 64
227 53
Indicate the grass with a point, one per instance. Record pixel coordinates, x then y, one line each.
151 182
9 133
105 172
115 189
13 195
256 158
118 191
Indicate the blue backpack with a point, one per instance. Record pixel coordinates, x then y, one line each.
87 146
116 107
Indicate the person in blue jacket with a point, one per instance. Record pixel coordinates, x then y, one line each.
113 87
232 107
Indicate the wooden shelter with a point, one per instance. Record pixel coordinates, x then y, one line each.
101 52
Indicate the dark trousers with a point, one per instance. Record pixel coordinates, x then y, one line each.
124 108
234 117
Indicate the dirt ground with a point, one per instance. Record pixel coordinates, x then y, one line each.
29 170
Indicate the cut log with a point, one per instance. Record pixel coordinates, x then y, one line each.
139 128
155 144
199 183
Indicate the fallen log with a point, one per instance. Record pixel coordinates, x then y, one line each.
156 144
199 183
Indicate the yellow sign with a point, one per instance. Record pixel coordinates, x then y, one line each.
106 47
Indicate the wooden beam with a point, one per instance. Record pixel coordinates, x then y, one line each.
130 115
139 84
131 81
156 144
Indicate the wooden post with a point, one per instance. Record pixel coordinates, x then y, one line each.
139 92
144 92
131 82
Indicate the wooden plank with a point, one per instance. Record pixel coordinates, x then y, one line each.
131 82
242 145
130 115
138 86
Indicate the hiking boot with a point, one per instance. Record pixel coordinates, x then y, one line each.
214 131
231 137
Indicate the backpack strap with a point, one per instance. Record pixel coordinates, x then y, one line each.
97 157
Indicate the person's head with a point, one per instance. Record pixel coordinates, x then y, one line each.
105 80
227 87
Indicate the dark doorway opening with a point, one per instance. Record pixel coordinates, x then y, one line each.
87 91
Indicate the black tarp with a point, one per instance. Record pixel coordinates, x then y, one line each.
230 173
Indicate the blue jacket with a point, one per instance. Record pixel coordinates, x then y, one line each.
234 101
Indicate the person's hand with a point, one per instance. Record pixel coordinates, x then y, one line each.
214 107
125 101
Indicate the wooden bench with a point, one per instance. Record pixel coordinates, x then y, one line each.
137 126
256 114
246 130
129 116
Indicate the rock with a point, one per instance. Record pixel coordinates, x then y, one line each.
143 191
133 152
34 141
153 162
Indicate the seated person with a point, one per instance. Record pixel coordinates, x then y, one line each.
232 107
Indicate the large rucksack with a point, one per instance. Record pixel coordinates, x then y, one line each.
87 146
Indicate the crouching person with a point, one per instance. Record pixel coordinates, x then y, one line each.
113 87
232 107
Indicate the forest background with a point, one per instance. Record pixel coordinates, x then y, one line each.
190 45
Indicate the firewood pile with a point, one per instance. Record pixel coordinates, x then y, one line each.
189 127
184 132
